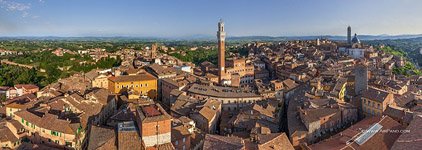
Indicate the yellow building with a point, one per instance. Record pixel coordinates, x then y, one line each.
339 89
142 84
375 101
50 130
100 81
12 108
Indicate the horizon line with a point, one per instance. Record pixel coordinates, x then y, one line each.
193 35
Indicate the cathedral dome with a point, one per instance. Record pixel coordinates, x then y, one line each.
355 39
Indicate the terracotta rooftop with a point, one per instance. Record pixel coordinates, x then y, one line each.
271 141
152 113
7 135
411 140
218 91
99 137
130 78
128 137
4 88
217 142
383 139
179 132
92 74
160 70
26 86
375 94
48 121
151 110
312 115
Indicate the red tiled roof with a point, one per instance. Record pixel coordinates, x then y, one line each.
151 111
26 86
381 140
215 142
413 138
129 78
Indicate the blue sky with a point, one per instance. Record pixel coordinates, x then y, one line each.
177 18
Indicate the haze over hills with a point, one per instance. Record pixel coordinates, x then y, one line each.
202 37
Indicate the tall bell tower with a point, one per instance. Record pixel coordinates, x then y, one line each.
221 35
349 35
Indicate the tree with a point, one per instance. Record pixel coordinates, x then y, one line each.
3 97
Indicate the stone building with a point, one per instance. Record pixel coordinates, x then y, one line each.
375 101
154 125
208 116
231 98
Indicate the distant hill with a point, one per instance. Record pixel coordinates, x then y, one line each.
201 37
331 37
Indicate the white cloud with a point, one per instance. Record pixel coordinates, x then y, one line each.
17 7
14 6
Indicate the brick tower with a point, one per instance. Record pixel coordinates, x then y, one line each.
221 35
154 50
361 77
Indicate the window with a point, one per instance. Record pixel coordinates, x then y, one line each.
177 142
55 133
184 140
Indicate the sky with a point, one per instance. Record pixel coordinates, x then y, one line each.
179 18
